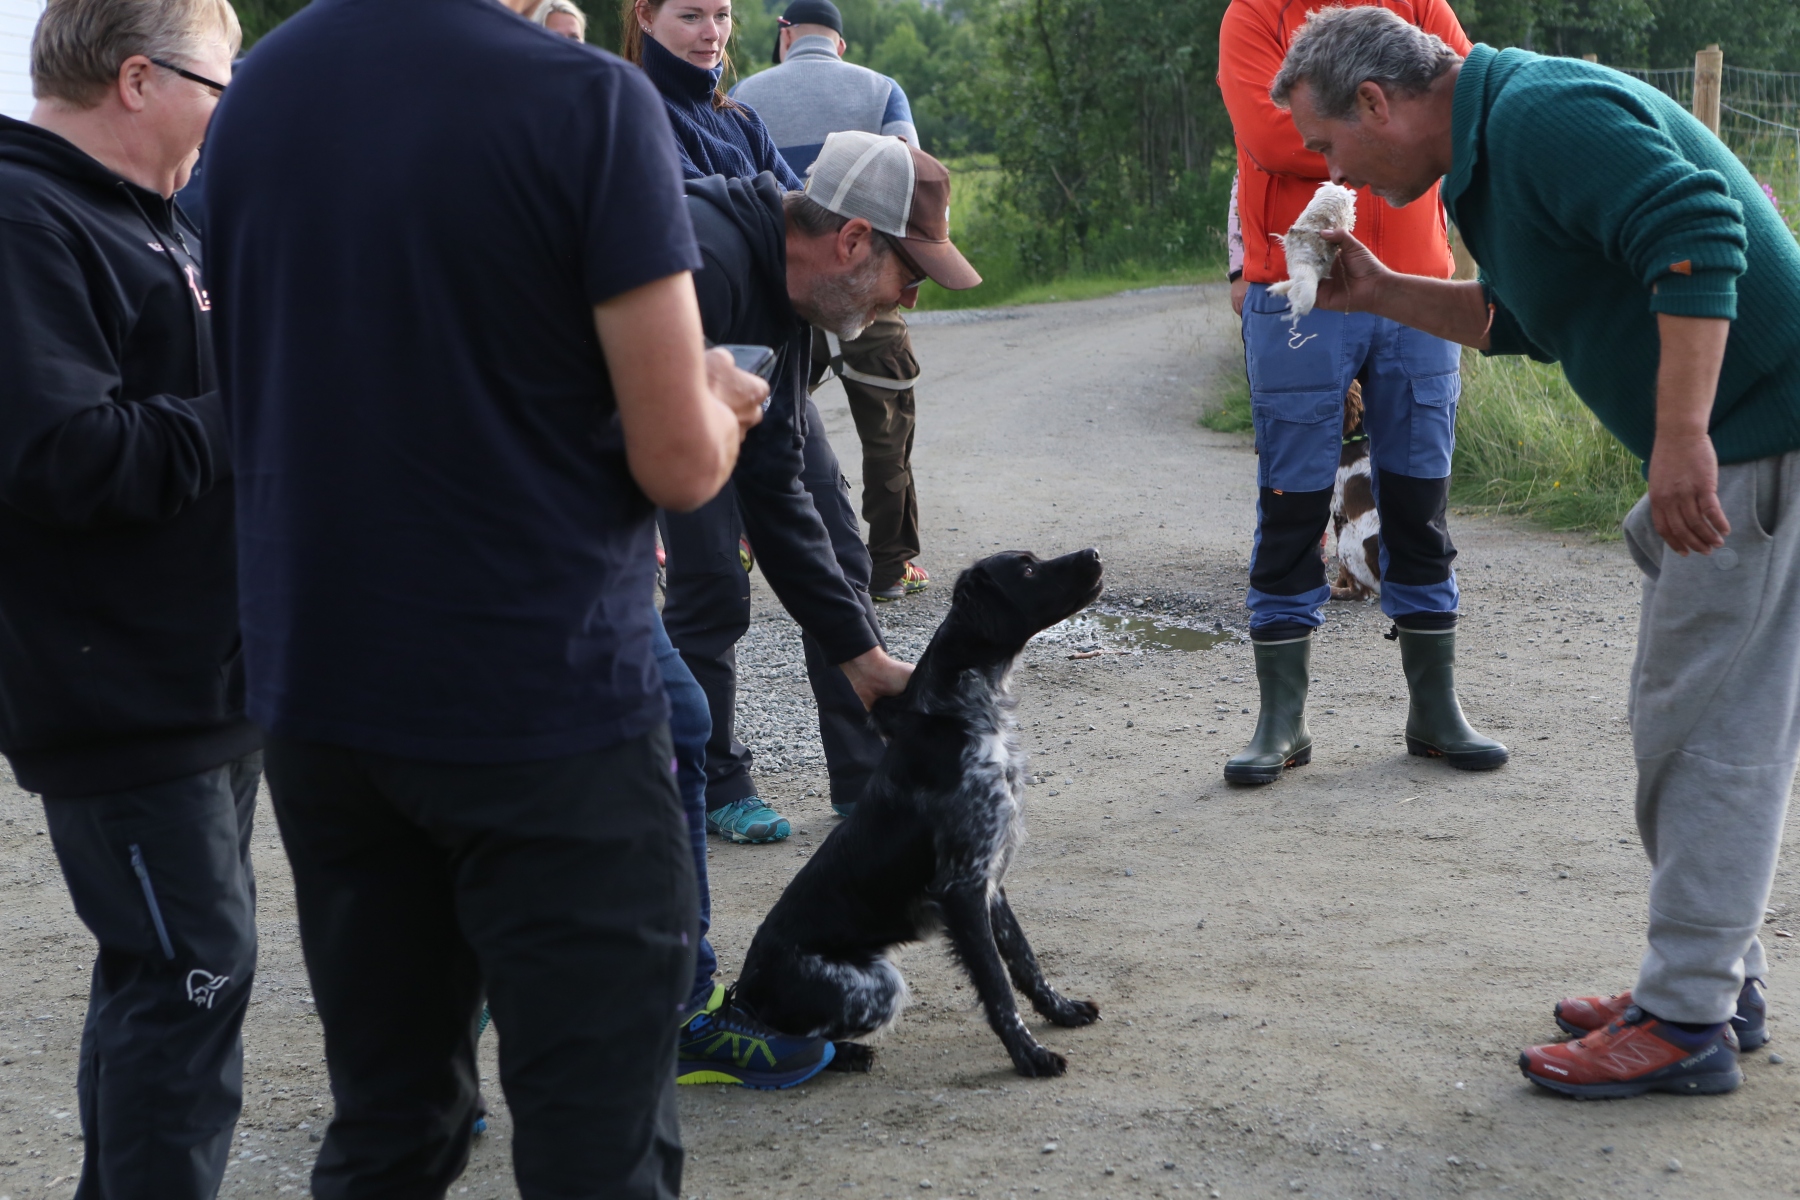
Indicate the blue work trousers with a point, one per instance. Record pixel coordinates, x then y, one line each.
690 726
1298 377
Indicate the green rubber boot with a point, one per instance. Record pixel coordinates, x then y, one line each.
1281 739
1435 727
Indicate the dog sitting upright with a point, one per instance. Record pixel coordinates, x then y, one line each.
928 845
1354 521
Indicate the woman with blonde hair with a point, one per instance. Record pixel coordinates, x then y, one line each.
681 44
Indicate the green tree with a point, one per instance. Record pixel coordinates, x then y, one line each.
1108 126
1657 33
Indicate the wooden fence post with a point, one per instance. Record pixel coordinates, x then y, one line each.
1593 58
1709 71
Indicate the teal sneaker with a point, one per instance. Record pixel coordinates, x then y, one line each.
723 1044
843 810
748 821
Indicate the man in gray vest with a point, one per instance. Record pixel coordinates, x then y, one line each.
810 94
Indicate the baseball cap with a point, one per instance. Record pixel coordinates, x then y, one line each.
900 190
808 12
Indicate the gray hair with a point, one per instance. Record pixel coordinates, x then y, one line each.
814 220
541 15
79 45
1337 50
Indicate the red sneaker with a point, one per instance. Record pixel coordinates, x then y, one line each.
1585 1014
1634 1055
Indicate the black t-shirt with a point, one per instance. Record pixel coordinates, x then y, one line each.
412 207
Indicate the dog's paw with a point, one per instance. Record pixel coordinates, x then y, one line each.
852 1056
1040 1062
1073 1014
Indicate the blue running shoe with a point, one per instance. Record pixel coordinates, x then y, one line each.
1751 1020
724 1044
748 822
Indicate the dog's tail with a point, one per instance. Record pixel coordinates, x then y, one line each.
808 995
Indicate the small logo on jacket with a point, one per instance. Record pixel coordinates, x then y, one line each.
202 986
193 282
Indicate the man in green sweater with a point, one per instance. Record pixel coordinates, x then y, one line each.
1618 237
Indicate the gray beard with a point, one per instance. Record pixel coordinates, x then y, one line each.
845 304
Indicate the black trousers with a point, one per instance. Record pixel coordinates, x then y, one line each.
706 608
565 888
161 876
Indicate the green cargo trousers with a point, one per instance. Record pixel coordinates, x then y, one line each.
878 371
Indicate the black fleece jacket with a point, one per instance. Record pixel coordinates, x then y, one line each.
119 656
742 286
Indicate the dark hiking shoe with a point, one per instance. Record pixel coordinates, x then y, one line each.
725 1044
1583 1014
1435 726
1281 739
1637 1054
913 579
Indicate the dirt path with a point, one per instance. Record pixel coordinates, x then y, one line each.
1317 988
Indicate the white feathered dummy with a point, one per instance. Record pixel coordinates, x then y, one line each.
1309 256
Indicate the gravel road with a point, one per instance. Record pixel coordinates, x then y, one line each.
1316 988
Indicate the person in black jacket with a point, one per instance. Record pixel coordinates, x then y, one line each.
871 226
121 686
775 262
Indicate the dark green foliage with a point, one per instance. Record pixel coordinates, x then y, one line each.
1762 34
1109 130
259 16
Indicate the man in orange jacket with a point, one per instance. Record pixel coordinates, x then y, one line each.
1298 377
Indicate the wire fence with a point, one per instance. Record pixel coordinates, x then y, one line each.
1759 118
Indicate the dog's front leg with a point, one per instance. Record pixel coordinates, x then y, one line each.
966 920
1028 977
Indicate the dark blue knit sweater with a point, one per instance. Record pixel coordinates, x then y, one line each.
729 142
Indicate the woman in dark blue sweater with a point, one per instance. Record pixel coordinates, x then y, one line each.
681 46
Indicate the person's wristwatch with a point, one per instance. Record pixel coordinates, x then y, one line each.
1234 276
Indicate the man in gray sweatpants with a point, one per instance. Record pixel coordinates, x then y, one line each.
1619 237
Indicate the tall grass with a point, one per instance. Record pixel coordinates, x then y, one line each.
1524 444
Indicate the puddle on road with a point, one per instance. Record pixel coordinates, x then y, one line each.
1102 630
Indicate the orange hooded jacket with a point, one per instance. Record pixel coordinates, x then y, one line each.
1277 175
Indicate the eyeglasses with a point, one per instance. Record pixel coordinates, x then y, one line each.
218 89
912 268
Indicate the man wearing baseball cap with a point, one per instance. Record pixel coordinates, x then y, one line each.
811 93
871 226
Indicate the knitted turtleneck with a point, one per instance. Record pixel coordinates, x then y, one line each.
714 141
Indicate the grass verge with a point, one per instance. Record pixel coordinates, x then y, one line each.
1524 444
1230 410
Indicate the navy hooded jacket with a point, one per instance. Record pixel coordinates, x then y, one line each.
732 142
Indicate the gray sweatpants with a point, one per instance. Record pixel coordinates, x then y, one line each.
1715 724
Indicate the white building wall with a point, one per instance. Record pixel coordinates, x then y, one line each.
17 19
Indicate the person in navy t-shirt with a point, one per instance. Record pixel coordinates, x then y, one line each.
456 390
